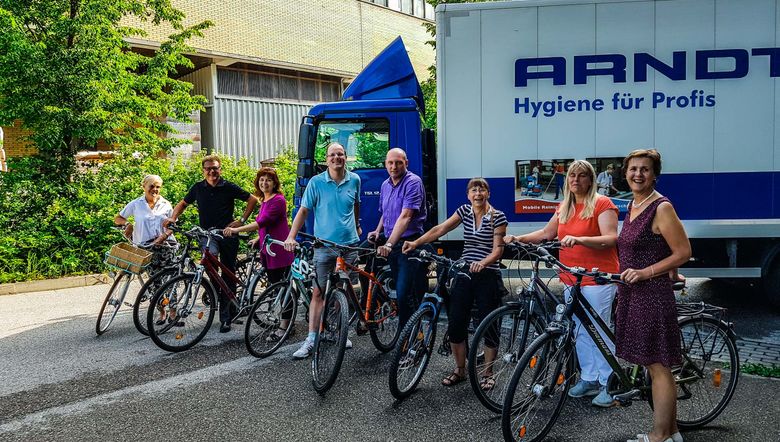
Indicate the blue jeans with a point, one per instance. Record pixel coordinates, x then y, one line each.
410 278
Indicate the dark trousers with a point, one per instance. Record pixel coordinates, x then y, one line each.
409 277
482 288
227 251
274 276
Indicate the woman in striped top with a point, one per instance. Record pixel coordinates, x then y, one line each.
483 230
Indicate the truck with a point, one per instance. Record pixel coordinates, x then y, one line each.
524 87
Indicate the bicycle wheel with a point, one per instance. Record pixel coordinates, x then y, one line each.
261 334
189 310
331 341
708 376
413 352
245 269
384 332
114 298
497 345
537 390
141 304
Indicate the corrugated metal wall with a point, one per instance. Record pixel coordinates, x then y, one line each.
255 129
202 81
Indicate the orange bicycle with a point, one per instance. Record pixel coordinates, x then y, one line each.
377 314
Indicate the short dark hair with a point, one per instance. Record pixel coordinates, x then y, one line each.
652 154
271 173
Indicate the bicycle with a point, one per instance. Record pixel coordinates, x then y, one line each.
379 316
179 264
416 341
279 300
188 301
539 385
508 330
124 272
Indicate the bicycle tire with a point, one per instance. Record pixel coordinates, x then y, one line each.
509 321
143 300
707 349
190 311
264 319
112 302
331 341
538 388
412 356
384 332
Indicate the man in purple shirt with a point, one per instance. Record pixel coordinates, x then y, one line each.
403 209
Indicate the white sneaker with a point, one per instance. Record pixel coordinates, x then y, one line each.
305 350
349 343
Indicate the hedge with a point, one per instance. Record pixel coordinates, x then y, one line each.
49 231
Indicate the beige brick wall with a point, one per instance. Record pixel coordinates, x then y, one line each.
339 36
14 144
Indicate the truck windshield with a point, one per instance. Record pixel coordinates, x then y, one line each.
366 141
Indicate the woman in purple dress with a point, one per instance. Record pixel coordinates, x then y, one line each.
651 246
271 220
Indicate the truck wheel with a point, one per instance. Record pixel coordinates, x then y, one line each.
771 282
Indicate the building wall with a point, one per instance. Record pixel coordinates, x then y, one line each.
330 36
14 144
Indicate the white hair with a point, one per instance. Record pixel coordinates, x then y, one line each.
151 179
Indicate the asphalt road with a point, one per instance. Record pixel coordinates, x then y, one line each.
61 382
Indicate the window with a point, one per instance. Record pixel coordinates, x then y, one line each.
419 8
406 6
265 82
366 141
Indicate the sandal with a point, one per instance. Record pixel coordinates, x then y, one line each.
454 378
275 336
487 383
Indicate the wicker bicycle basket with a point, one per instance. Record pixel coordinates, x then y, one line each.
128 258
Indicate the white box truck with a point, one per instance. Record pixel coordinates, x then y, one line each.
524 87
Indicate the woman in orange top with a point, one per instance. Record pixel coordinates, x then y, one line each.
586 224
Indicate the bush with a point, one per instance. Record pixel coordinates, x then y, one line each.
49 231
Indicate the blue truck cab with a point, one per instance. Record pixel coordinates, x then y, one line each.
382 109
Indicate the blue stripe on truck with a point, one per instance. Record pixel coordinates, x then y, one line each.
696 196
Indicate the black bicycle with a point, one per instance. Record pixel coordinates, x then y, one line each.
503 335
417 339
706 379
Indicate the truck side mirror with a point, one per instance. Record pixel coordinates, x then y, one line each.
306 137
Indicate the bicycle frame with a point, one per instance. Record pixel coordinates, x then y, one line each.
364 314
212 266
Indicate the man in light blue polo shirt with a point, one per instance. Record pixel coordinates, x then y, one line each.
334 198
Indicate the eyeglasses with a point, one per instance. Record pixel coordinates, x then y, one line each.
212 168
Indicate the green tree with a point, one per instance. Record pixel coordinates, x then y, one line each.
68 75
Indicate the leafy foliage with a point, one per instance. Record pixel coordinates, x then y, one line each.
67 74
49 230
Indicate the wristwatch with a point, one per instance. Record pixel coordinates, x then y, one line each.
389 245
243 220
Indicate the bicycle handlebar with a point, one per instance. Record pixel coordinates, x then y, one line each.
460 265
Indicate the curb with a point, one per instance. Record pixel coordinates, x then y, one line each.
15 288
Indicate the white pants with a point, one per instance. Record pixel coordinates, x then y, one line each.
592 363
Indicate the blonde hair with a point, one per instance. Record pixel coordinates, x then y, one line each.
151 179
567 208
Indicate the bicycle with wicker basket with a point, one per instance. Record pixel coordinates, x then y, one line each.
127 263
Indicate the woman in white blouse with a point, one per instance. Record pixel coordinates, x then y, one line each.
148 211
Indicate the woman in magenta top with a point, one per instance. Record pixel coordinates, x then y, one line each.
271 220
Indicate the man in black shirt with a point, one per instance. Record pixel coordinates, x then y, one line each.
215 198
